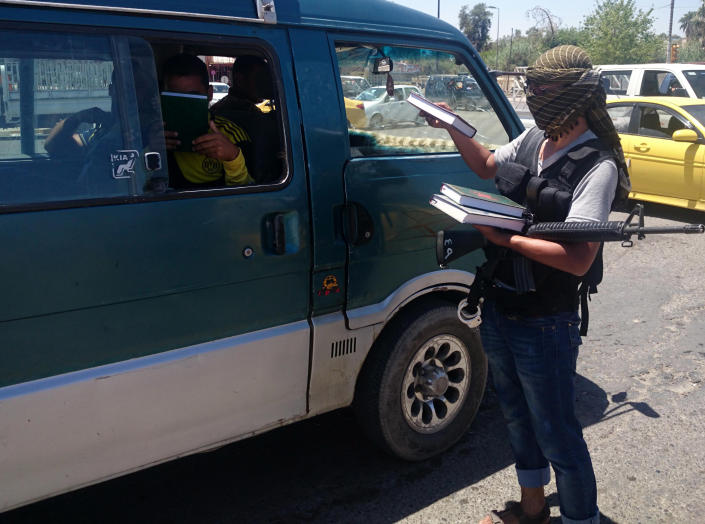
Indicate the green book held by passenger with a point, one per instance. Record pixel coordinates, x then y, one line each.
186 114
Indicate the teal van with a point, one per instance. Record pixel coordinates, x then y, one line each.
140 322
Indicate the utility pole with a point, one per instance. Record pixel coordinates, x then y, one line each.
670 35
496 63
439 9
511 38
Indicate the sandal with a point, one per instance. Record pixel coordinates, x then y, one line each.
514 509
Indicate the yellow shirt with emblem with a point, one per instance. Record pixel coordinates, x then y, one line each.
200 169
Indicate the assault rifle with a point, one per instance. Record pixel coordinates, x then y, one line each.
451 245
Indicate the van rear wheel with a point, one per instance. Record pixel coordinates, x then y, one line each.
422 383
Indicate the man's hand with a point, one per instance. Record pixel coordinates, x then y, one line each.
434 122
171 139
92 115
216 145
499 237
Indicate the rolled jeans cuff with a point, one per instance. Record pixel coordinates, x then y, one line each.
592 520
534 478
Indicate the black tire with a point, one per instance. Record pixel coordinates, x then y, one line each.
380 402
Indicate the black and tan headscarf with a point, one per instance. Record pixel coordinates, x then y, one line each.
580 94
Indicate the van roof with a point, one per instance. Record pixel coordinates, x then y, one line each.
380 16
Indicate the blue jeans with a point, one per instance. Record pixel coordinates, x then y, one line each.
532 360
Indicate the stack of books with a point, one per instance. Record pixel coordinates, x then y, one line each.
470 206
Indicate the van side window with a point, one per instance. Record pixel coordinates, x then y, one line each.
70 117
659 83
238 96
380 124
615 82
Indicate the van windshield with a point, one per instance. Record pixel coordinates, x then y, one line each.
696 78
697 112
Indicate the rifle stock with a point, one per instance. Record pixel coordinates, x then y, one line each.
451 245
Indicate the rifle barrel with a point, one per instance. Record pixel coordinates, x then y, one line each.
688 229
602 231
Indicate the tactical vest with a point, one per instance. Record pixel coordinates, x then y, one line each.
548 197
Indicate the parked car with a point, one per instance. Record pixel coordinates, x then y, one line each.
220 90
383 110
458 91
353 85
142 320
653 80
664 145
355 112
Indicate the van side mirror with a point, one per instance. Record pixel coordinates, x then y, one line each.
685 135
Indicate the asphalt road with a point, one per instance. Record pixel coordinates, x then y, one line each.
641 400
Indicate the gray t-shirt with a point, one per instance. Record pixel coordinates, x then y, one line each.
592 198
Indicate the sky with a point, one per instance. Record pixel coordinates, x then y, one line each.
570 13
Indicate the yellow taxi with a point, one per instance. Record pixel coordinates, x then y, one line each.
663 138
355 111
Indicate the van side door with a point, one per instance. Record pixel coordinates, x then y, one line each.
141 320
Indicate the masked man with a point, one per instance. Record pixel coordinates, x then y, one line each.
530 328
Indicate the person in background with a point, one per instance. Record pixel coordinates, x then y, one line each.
252 85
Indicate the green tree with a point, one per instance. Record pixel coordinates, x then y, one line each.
618 33
693 24
476 23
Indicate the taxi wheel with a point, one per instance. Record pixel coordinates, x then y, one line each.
422 383
376 121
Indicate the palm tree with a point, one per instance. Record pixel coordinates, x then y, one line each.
693 24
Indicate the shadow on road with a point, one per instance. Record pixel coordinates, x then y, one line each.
321 470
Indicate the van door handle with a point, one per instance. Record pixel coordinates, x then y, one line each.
282 233
358 224
279 234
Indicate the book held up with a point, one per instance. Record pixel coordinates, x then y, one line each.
441 114
187 114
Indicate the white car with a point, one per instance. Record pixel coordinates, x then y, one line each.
653 80
382 109
220 89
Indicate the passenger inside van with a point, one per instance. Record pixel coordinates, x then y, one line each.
217 158
252 85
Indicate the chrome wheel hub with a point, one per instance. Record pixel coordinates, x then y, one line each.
435 383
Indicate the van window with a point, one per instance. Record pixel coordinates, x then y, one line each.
70 112
380 123
242 104
659 83
616 82
696 79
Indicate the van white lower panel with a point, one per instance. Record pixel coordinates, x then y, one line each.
72 430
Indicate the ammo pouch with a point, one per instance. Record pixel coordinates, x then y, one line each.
517 182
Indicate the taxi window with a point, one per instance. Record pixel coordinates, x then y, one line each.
381 124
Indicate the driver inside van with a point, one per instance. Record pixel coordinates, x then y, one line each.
217 159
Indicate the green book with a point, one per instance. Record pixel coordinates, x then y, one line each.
186 114
470 215
482 200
